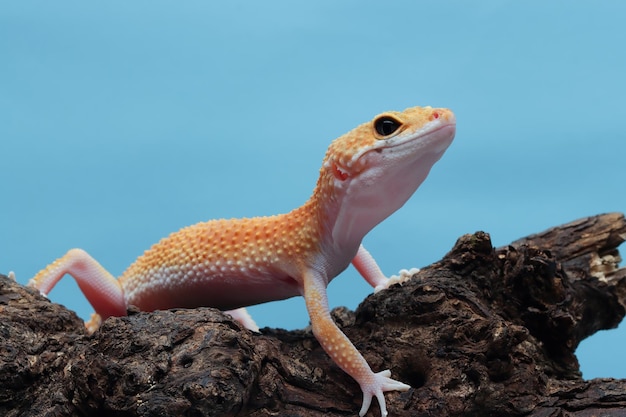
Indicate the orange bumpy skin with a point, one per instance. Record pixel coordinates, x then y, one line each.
240 253
366 175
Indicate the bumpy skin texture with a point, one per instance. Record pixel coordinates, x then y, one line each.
366 175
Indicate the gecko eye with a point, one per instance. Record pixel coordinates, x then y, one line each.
386 125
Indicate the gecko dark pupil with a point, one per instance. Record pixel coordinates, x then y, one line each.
385 126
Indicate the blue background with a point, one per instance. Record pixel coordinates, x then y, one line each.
121 122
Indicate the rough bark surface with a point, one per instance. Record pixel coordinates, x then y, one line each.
483 332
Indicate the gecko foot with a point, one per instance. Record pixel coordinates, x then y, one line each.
94 323
403 276
381 383
244 318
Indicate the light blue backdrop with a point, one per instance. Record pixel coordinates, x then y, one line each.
121 122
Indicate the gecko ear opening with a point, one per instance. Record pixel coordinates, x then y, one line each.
340 173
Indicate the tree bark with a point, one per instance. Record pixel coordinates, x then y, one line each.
483 332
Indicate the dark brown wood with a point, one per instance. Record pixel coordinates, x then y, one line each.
585 247
483 332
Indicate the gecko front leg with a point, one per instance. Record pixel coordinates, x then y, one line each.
341 350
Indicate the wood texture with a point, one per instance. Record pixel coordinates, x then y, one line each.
483 332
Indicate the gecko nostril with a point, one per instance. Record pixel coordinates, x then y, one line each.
386 125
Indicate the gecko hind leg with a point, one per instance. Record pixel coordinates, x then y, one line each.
102 290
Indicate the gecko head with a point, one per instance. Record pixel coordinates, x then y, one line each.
374 169
412 132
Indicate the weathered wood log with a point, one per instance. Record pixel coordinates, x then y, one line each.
483 332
